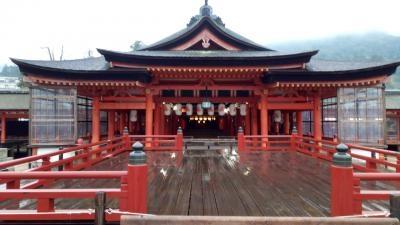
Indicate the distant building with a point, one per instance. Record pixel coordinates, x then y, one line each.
14 108
392 98
9 83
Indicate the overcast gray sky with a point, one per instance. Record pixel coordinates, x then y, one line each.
82 25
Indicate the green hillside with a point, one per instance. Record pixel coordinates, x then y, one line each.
364 47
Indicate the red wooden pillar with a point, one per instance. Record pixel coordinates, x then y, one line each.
157 119
254 120
299 121
264 119
264 115
149 116
317 118
111 123
247 126
96 120
122 121
3 128
162 120
287 122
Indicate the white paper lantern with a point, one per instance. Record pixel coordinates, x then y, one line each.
199 110
277 116
221 109
178 109
167 109
211 110
232 109
243 109
133 116
189 109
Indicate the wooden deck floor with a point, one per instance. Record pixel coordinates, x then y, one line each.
213 183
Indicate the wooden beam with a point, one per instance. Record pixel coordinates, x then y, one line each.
291 106
199 99
123 99
200 87
121 106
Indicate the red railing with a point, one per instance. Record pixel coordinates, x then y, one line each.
65 163
264 143
45 207
68 159
365 159
347 195
160 142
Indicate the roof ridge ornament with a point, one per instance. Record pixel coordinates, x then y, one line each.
206 10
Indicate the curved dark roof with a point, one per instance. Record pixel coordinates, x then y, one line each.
212 23
207 58
87 64
273 76
334 65
84 70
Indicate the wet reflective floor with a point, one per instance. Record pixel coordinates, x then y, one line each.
220 183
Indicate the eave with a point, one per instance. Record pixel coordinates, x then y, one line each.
76 76
364 76
176 60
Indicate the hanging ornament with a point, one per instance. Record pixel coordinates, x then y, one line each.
133 116
221 109
243 109
277 116
178 109
167 109
211 110
189 109
232 109
199 109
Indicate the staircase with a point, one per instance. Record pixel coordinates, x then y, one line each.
199 144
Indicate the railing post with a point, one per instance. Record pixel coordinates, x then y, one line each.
398 164
370 164
293 138
60 157
137 180
179 139
100 206
342 203
13 184
45 205
240 140
125 135
395 206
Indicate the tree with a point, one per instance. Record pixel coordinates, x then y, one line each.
137 45
51 53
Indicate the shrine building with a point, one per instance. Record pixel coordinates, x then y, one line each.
208 80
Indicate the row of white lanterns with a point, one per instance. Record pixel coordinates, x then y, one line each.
222 109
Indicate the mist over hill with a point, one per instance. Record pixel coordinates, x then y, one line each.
356 47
